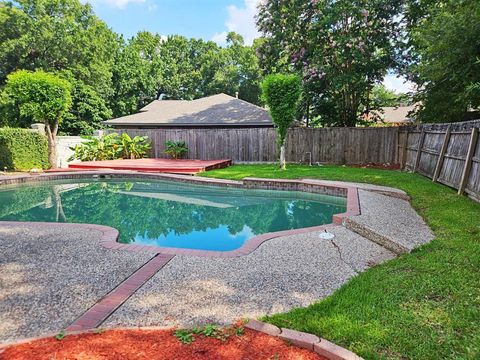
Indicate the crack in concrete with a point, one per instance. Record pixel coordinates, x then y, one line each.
341 257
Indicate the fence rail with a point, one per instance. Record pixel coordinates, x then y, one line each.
447 153
327 145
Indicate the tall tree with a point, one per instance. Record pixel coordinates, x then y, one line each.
61 36
40 97
136 73
181 68
341 49
441 54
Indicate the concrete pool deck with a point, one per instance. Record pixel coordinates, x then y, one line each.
53 274
50 275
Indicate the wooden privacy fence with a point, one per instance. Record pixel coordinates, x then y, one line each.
447 153
326 145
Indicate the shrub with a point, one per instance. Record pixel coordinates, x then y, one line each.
22 149
176 149
110 147
282 93
41 97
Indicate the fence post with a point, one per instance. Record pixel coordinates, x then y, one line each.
419 151
404 150
396 151
468 161
441 155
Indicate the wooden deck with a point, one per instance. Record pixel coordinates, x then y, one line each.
181 166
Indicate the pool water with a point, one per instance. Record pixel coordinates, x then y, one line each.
169 214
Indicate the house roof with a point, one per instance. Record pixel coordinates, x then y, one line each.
396 115
215 110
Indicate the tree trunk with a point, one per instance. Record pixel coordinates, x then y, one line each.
52 147
58 204
283 164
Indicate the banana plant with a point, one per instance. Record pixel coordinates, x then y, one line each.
110 147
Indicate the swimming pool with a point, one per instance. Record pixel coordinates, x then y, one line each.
169 214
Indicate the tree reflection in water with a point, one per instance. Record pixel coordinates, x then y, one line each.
170 214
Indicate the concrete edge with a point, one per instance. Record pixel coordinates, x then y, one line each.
373 236
304 340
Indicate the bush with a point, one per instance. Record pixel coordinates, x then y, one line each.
176 149
22 149
110 147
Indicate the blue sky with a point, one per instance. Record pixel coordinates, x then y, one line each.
206 19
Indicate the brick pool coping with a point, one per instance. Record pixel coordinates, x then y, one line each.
110 235
304 340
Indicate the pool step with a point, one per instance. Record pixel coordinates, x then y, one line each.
389 221
373 236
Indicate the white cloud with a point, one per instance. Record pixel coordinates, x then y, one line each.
121 4
398 83
220 38
242 21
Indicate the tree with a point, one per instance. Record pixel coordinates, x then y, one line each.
341 49
40 97
381 97
65 37
88 111
281 93
136 73
441 55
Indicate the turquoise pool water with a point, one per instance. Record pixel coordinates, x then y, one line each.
169 214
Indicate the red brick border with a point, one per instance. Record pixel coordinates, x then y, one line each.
110 235
307 341
99 312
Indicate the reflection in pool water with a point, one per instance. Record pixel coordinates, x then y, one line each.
169 214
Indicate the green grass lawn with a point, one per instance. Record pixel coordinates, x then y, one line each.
423 305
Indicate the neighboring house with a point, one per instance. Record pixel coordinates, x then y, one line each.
216 111
394 116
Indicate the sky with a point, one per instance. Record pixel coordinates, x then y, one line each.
206 19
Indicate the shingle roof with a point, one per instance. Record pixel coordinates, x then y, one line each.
396 115
215 110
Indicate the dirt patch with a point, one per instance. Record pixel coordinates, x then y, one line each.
377 166
158 345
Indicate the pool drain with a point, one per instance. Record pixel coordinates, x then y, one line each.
326 235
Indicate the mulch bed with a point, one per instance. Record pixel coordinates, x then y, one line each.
157 344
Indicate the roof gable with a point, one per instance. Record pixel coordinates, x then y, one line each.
215 110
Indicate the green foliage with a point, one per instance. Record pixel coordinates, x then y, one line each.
341 48
39 96
176 149
210 330
422 305
111 76
136 148
443 58
383 97
181 68
185 336
88 111
281 93
111 146
21 149
61 335
64 37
